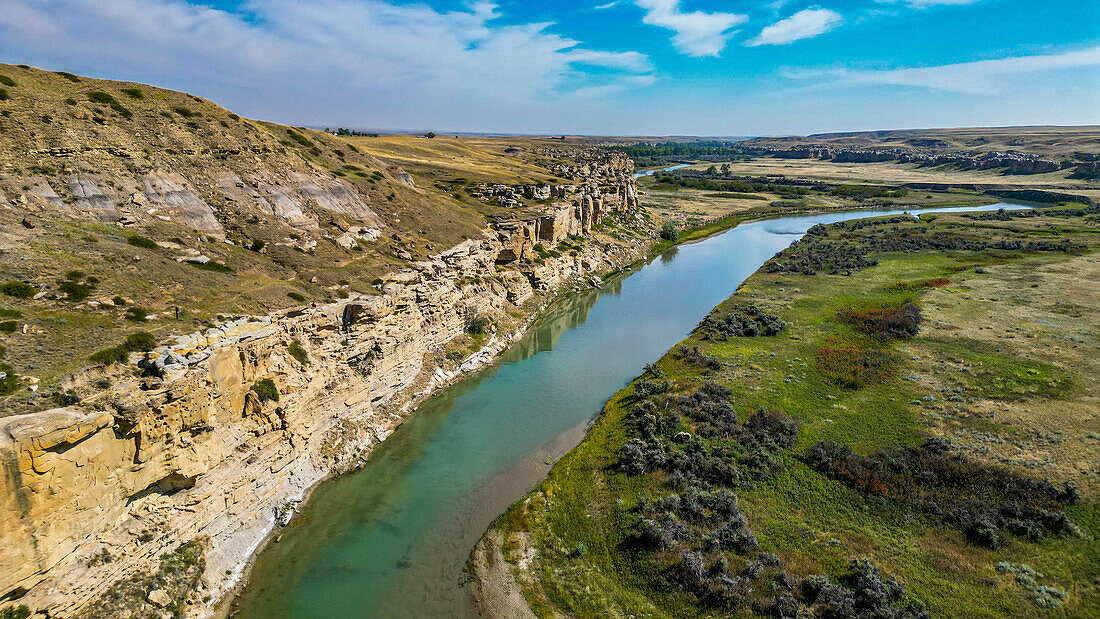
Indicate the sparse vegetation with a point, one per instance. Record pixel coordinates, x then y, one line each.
266 390
295 349
140 241
19 290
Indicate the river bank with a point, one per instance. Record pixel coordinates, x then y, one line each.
567 541
401 506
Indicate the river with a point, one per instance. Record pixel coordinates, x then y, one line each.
669 169
392 539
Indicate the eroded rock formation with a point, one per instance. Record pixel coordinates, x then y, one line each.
196 449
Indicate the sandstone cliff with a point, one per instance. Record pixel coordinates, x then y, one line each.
95 494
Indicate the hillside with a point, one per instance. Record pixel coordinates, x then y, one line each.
125 207
1047 141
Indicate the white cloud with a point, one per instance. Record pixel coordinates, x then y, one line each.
696 33
327 61
801 25
607 6
983 77
923 4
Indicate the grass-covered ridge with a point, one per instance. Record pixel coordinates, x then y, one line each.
676 504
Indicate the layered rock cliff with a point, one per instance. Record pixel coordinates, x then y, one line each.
216 435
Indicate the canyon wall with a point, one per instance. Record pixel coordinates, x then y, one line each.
179 445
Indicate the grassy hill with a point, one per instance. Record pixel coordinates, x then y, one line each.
1048 141
120 201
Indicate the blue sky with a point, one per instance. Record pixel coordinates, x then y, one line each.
632 67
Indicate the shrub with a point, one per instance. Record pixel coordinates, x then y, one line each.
133 93
122 110
108 356
862 592
118 301
669 232
15 612
185 112
297 296
215 267
75 291
135 342
295 349
896 320
140 341
741 320
10 382
266 390
853 365
98 96
7 81
75 276
212 266
478 325
4 96
19 290
140 241
982 501
8 326
69 76
136 314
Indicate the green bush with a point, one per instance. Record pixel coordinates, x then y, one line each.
10 313
185 112
19 290
140 341
109 356
140 241
266 390
98 96
295 349
133 93
74 275
4 96
669 231
478 325
136 314
9 326
10 382
75 291
122 110
212 266
70 101
15 612
135 342
7 81
119 301
69 76
296 296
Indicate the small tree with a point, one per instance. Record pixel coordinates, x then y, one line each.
430 135
669 231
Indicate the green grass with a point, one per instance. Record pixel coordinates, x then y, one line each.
813 523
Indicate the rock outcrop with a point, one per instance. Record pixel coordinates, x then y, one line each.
231 425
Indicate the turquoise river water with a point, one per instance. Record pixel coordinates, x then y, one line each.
392 539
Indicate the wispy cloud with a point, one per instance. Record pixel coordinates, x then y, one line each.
326 60
696 33
923 4
606 6
801 25
982 77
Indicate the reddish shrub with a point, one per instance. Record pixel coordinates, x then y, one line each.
935 282
854 366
